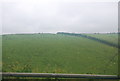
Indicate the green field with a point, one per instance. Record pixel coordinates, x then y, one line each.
53 53
0 53
112 38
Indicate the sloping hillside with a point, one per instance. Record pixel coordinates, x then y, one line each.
53 53
112 38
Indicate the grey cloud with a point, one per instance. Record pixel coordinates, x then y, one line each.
53 17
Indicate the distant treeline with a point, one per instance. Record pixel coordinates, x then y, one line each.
92 38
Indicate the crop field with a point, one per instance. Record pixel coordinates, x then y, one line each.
0 53
53 53
112 38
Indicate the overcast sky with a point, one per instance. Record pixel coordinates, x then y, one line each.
53 16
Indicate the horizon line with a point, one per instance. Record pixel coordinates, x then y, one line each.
59 31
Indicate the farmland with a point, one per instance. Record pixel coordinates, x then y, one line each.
53 53
112 38
0 53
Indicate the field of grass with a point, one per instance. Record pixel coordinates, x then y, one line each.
0 53
112 38
52 53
